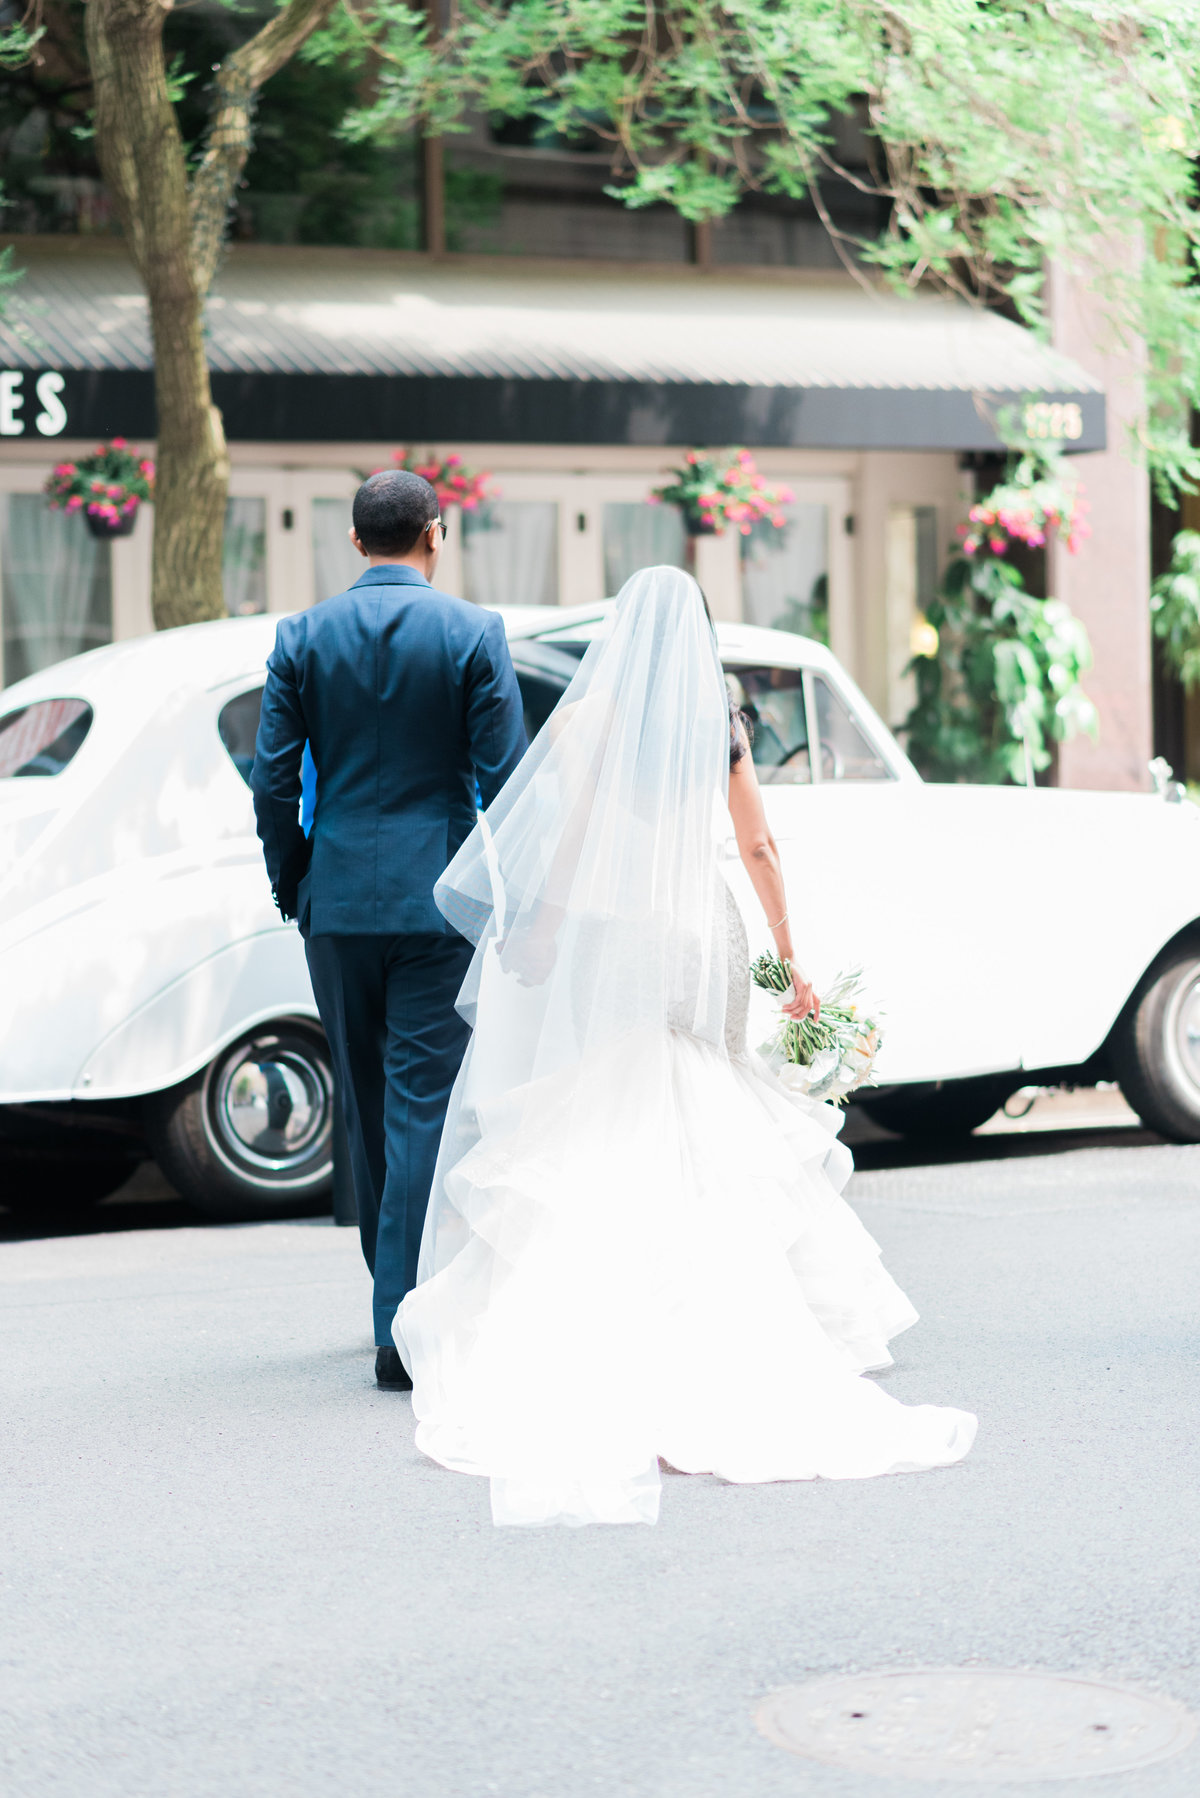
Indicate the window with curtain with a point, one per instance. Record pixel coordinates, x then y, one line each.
244 557
336 563
785 573
639 535
55 585
510 553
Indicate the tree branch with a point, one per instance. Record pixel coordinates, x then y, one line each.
238 80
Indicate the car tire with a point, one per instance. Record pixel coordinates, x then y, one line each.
251 1135
945 1108
1156 1046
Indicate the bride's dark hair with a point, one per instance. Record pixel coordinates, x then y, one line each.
741 731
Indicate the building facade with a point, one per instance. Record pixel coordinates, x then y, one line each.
576 384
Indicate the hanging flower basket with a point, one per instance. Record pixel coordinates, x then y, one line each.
100 525
107 487
1036 500
455 483
714 491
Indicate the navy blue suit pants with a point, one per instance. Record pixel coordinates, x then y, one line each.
387 1005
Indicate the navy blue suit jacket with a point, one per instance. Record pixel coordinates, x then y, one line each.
408 698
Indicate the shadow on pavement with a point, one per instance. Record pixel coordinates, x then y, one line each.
147 1201
897 1152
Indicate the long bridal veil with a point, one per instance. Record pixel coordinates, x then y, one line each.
632 1250
592 878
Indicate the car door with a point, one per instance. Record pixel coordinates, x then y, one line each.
882 873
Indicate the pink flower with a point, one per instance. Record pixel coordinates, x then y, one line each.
74 503
119 443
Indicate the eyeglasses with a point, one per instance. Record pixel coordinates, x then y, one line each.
438 522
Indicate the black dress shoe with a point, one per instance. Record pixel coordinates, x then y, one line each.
390 1371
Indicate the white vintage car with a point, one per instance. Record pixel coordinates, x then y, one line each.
152 1000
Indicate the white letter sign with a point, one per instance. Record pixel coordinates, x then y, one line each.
11 402
53 415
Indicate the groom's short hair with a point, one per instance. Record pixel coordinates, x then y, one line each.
391 509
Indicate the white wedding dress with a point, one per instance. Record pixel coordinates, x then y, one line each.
636 1250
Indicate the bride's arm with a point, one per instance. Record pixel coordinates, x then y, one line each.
760 856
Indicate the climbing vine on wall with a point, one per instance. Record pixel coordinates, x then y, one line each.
1004 682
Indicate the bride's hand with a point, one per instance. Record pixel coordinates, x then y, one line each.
529 949
802 999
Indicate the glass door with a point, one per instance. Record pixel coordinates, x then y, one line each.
796 577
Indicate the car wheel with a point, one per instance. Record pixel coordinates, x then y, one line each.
1156 1047
945 1108
251 1135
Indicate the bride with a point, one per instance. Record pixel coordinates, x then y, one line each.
636 1253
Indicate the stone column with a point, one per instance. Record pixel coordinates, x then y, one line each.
1107 584
718 568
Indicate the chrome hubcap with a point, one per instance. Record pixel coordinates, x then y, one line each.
1183 1029
272 1105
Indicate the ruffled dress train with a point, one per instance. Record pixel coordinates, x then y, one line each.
665 1274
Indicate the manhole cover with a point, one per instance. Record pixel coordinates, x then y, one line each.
975 1724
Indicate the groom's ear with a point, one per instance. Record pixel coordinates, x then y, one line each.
355 539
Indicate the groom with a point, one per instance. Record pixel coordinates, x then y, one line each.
407 698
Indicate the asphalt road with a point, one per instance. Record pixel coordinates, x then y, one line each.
226 1570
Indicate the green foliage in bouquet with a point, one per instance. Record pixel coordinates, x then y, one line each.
838 1049
1175 608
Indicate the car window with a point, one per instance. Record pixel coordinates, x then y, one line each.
773 701
238 724
42 738
540 694
846 753
543 672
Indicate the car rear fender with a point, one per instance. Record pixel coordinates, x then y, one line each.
1188 937
190 1021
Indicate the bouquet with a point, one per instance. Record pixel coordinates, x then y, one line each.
825 1059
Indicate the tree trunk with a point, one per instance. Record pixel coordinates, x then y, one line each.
175 232
142 156
192 478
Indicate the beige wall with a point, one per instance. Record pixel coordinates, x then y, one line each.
889 482
1107 584
871 597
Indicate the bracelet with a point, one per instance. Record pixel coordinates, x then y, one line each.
782 921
